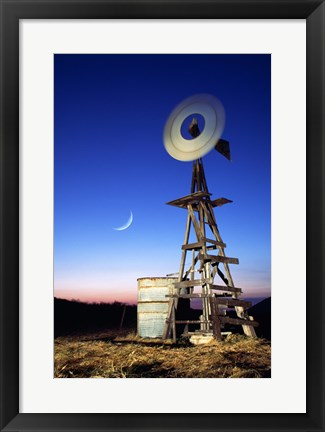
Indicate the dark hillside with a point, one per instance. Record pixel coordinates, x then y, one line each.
262 313
72 317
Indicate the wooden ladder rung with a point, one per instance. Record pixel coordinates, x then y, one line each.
225 288
188 296
191 322
191 283
233 302
238 321
215 242
219 259
195 246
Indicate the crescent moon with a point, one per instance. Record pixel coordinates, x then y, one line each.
127 224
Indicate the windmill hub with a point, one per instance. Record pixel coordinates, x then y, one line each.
194 128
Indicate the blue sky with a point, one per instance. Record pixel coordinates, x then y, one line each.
109 116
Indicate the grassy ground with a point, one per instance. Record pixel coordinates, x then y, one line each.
106 355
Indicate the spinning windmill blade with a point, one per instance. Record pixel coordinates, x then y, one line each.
213 113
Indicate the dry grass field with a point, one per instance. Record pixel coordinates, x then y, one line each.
109 355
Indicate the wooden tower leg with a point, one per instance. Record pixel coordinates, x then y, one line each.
173 302
247 329
167 328
214 318
174 324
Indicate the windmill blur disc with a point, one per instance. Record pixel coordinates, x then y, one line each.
211 109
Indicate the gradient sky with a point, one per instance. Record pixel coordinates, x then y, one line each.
109 116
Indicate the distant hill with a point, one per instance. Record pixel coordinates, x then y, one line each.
262 313
72 317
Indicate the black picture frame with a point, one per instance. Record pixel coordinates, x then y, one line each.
11 12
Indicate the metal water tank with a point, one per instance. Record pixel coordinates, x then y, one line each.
153 305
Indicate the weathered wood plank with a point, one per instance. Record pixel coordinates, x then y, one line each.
190 283
238 321
192 322
200 332
195 246
201 222
216 270
215 242
167 328
233 302
194 222
219 259
198 245
174 324
185 200
204 182
223 259
186 237
220 202
226 288
215 319
195 295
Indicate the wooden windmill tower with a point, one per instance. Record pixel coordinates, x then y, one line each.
207 252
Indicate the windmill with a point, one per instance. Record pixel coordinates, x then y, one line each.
207 253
